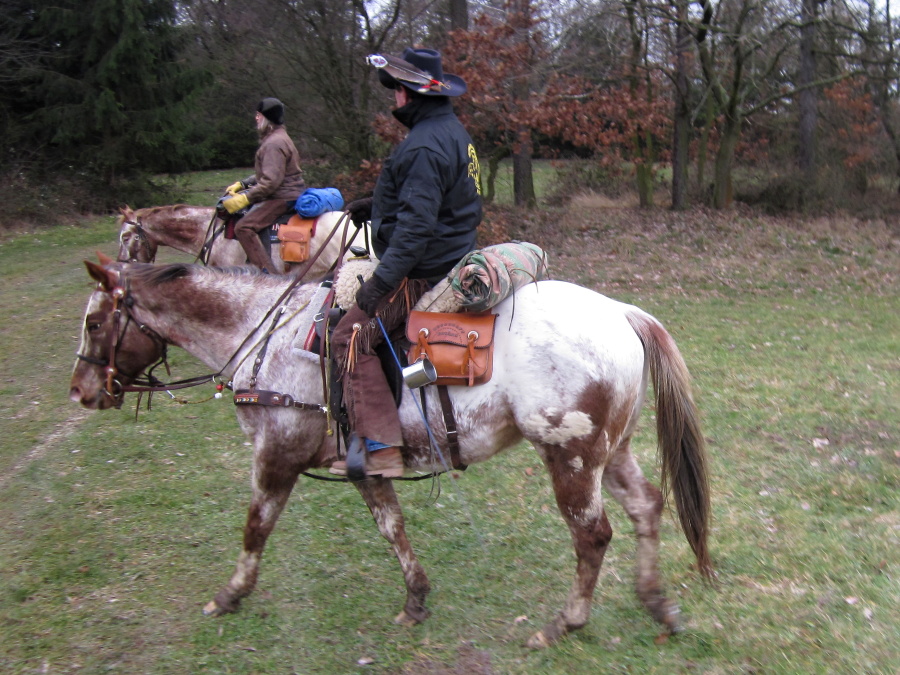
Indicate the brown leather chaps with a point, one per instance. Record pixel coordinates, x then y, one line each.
367 396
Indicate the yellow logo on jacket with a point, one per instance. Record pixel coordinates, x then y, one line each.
474 168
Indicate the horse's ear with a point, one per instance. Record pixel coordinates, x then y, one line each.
108 279
103 258
127 212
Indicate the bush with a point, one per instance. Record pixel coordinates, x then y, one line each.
576 176
837 189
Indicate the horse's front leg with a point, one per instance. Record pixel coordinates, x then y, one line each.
274 475
381 498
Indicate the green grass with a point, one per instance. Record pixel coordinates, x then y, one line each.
115 532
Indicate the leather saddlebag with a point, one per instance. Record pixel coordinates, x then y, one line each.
459 345
295 236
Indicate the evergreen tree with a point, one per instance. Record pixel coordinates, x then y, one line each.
98 86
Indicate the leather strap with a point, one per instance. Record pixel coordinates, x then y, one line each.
356 458
273 398
450 424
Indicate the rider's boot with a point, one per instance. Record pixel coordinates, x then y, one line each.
385 462
256 252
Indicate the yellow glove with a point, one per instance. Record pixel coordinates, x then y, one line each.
236 203
234 188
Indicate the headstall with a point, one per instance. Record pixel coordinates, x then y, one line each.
122 302
142 238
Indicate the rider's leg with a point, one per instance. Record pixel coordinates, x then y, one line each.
248 228
368 398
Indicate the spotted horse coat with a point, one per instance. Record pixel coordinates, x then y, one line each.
571 368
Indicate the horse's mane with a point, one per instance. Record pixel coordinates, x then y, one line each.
156 275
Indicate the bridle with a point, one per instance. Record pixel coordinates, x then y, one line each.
143 240
114 389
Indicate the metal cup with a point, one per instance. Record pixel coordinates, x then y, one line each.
420 373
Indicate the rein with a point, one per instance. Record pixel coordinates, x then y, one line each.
122 298
212 234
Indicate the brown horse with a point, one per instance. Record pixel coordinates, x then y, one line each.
570 372
186 228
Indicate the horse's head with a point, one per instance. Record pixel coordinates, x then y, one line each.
134 244
115 349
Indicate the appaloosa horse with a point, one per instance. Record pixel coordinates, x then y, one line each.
187 228
570 372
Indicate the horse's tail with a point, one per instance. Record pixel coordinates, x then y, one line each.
681 446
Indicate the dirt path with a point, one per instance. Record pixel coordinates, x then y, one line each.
61 431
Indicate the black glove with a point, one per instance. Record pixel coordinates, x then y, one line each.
360 211
370 294
220 208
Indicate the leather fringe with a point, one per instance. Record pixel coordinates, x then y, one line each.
393 312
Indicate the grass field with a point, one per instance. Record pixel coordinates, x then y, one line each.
115 532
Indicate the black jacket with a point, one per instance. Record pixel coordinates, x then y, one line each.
427 201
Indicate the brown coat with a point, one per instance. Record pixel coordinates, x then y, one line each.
278 174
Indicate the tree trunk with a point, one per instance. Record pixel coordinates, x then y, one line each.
682 113
642 143
709 120
459 14
644 169
722 188
807 100
498 155
523 176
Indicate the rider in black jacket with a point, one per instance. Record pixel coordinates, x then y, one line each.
426 204
424 213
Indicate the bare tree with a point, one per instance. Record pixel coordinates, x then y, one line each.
311 55
521 19
882 75
807 98
682 106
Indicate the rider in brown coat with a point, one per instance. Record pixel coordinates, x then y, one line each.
274 187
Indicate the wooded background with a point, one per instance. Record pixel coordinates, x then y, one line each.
790 103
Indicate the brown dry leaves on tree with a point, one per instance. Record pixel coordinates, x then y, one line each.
512 86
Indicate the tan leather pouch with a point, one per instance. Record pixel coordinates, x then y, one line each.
295 236
460 345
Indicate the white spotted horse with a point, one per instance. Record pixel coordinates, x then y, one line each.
570 372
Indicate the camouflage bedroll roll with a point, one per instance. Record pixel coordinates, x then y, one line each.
487 276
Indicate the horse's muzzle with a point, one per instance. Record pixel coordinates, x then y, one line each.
101 400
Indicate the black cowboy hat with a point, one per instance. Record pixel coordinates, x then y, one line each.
419 70
272 109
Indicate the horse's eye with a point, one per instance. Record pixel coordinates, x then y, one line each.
93 326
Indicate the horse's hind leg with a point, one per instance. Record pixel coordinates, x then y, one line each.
643 503
274 476
577 484
381 498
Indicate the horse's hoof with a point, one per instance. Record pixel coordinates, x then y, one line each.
404 619
672 618
538 641
212 609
